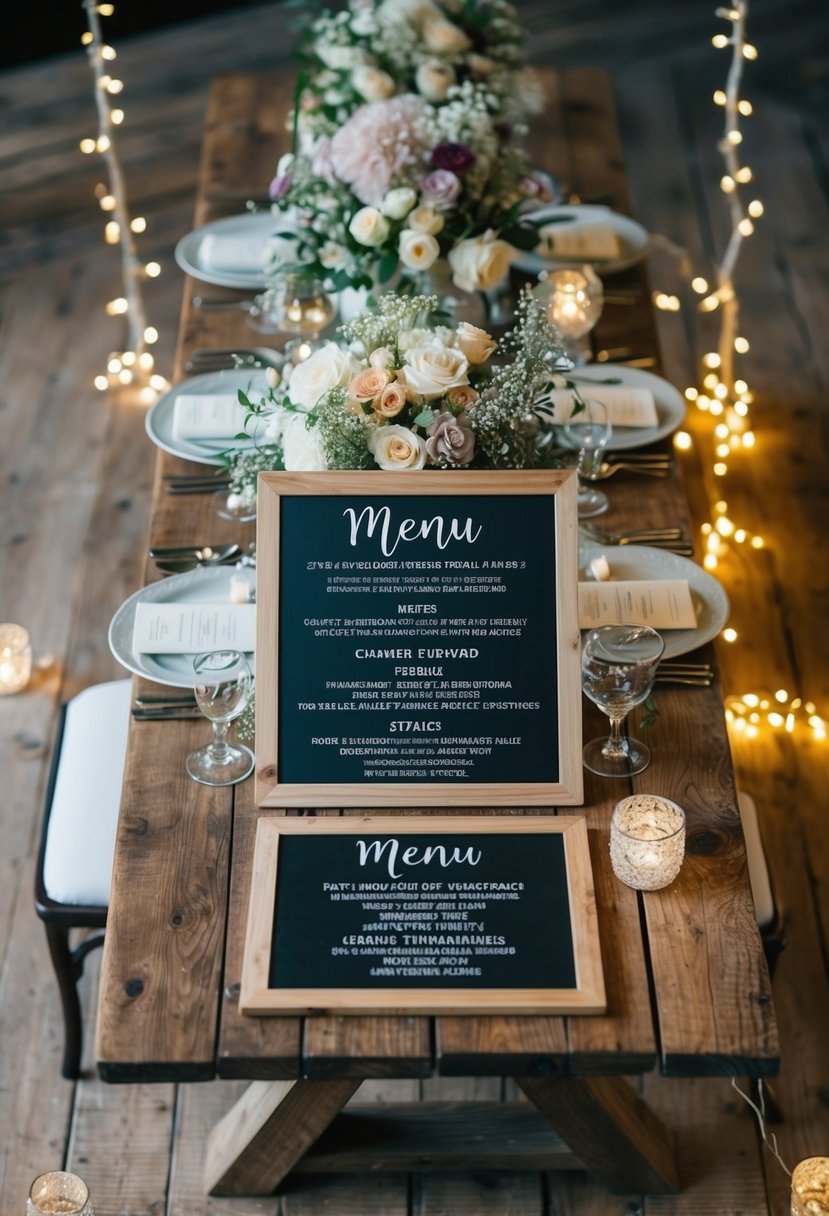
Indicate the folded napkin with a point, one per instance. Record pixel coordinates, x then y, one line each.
229 253
192 628
626 406
660 603
207 416
585 242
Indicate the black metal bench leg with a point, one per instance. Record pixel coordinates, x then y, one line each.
68 972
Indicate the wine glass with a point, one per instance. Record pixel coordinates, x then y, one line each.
222 682
296 303
574 301
588 429
618 668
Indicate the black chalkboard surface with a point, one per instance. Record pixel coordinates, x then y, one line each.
366 913
417 639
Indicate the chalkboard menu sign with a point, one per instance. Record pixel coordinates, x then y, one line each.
417 639
363 914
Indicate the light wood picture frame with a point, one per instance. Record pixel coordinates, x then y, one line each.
469 530
536 922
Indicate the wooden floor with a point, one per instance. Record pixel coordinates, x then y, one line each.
76 476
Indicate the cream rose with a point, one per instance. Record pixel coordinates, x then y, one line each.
369 227
327 368
462 396
444 38
381 356
432 370
418 250
425 219
302 449
475 343
396 447
373 84
392 400
368 383
434 79
332 255
480 262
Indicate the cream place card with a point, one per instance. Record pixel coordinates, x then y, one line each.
192 628
626 406
660 603
246 253
588 242
207 416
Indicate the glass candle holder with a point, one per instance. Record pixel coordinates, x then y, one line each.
574 301
59 1192
15 659
810 1187
647 841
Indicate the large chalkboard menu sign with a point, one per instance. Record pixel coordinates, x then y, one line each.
417 639
366 914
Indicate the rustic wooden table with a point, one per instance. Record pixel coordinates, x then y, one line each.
687 986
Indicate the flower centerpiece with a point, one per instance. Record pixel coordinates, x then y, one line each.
408 392
407 146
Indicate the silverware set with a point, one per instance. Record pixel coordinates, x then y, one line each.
176 560
647 464
197 483
227 359
656 538
688 675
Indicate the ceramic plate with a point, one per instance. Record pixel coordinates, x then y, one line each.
251 224
669 402
193 587
642 562
633 239
159 420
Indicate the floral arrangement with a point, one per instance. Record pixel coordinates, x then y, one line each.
407 146
409 393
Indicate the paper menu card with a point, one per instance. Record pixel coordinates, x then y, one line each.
207 416
192 628
626 405
660 603
585 241
245 253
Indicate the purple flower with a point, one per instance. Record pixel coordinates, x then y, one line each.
451 441
455 157
280 186
440 188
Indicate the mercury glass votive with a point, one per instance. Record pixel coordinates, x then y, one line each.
59 1192
647 841
15 659
810 1187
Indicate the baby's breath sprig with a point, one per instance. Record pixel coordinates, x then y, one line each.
394 313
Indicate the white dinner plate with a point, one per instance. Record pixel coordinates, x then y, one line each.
251 224
643 562
202 586
669 402
159 420
634 241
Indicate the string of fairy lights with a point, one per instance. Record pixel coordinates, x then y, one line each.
135 364
724 397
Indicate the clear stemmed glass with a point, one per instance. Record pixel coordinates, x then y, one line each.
296 303
222 682
589 431
618 668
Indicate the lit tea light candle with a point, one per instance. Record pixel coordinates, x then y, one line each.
810 1187
647 841
59 1191
15 659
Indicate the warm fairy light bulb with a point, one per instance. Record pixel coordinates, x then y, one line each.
721 391
716 408
107 202
691 393
116 307
744 174
125 376
87 146
720 469
740 387
139 224
712 359
700 285
109 52
112 232
757 542
150 334
750 51
721 506
106 10
775 719
710 561
745 227
729 635
719 41
115 86
734 137
158 383
710 303
745 107
742 345
727 184
702 402
101 383
721 430
114 364
748 439
711 380
683 441
740 536
152 270
781 695
724 526
756 208
128 358
146 362
87 38
103 143
719 97
117 117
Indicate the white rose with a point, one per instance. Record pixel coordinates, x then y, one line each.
434 80
398 202
381 356
432 370
369 227
327 368
444 38
373 84
480 262
302 449
340 57
418 250
407 339
331 255
396 447
425 219
475 343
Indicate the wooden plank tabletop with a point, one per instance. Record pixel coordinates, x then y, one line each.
172 958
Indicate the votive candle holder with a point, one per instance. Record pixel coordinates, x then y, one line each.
647 841
15 659
810 1187
58 1191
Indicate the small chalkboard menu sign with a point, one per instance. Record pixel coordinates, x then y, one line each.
417 639
445 914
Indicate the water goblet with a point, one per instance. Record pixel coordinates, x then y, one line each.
296 303
618 668
222 683
588 429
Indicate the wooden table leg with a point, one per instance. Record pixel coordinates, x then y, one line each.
261 1138
612 1131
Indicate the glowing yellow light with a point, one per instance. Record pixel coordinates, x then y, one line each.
810 707
152 270
716 408
745 227
724 526
106 10
705 529
734 137
117 117
749 51
727 184
109 52
691 394
712 359
744 174
115 307
107 202
740 408
751 699
721 430
112 232
720 98
723 450
752 732
748 439
702 402
756 717
101 383
87 146
125 376
775 719
741 345
146 362
721 392
115 86
756 208
139 224
719 41
87 38
721 506
796 703
757 542
114 365
720 469
148 396
745 107
150 334
683 441
781 695
710 303
729 635
711 380
159 383
103 143
128 358
740 535
709 561
699 285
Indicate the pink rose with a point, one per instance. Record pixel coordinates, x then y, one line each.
450 439
440 189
